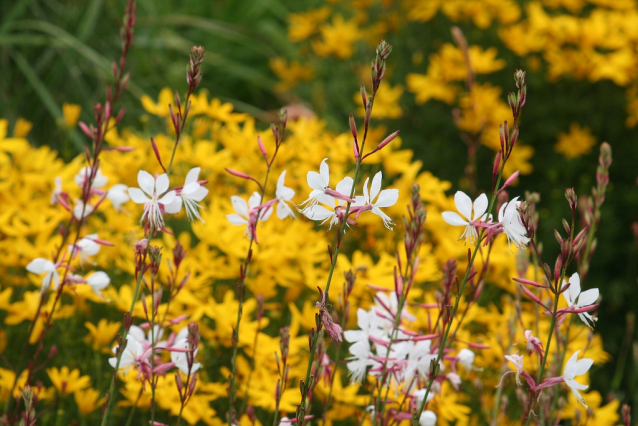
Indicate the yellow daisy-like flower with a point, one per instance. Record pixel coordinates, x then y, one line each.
87 400
575 143
71 113
102 335
67 382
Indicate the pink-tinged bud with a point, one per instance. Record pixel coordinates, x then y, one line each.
124 148
513 139
558 237
502 138
425 337
238 174
529 282
262 148
533 296
477 345
387 140
157 154
497 163
86 129
355 149
557 268
337 195
572 199
107 110
179 383
509 180
364 96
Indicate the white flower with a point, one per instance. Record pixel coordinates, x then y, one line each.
99 181
510 218
466 358
517 360
191 194
387 198
419 394
132 354
98 281
464 206
318 212
419 357
585 298
86 247
57 190
428 418
118 195
319 182
41 266
575 368
80 210
154 188
180 359
284 195
285 421
359 361
243 210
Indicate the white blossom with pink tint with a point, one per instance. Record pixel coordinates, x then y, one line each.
466 358
335 211
320 185
81 211
510 219
576 367
517 360
86 247
465 206
132 355
98 281
249 213
152 194
85 172
284 196
576 300
427 418
190 194
44 266
386 198
118 195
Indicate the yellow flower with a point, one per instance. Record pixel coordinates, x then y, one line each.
290 74
337 39
386 103
87 400
303 25
71 113
575 143
100 337
68 382
22 128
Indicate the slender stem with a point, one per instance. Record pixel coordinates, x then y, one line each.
134 407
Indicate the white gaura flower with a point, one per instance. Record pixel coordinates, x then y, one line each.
320 185
319 212
575 299
428 418
149 195
464 206
573 368
386 198
243 211
180 359
81 211
43 266
86 247
98 281
466 358
284 195
99 181
517 360
118 195
510 219
57 190
190 194
132 355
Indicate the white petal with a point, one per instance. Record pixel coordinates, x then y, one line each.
325 172
175 206
463 204
138 196
376 186
480 206
588 297
387 198
39 265
161 184
199 195
454 219
146 181
582 366
265 214
280 180
570 367
366 194
192 175
240 206
315 181
285 193
190 188
574 288
236 219
168 198
318 213
254 200
345 186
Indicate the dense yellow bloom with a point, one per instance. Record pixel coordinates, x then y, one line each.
386 104
337 39
88 400
101 336
304 25
575 143
67 382
290 74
